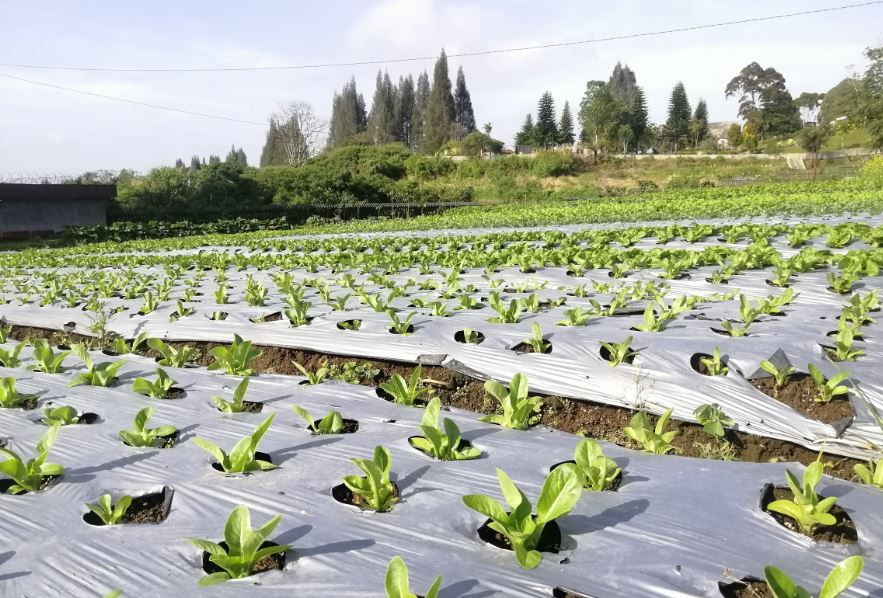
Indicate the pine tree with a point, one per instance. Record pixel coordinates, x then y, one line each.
421 100
213 159
179 163
195 163
623 84
236 156
269 150
463 114
638 116
545 131
381 121
565 126
439 109
679 115
405 110
347 115
241 157
699 126
525 135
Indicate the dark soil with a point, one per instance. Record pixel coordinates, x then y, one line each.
174 394
269 563
613 488
550 539
746 588
266 318
47 482
799 392
604 422
350 426
148 508
842 532
528 348
344 495
258 455
561 592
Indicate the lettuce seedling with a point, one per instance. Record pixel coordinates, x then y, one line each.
471 337
235 359
443 445
536 340
575 317
9 358
142 436
150 304
870 474
713 365
506 314
734 330
619 352
96 374
398 585
120 345
110 513
652 439
28 475
237 405
47 361
599 471
712 419
374 488
243 550
841 577
560 493
843 347
779 375
406 392
158 389
806 508
63 416
313 377
516 405
242 458
828 388
398 326
653 321
11 399
331 423
171 356
297 313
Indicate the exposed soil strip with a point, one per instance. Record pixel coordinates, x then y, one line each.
800 392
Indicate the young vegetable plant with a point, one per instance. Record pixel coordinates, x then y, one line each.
96 374
110 513
779 375
244 547
158 389
870 474
235 359
374 488
536 340
237 405
171 356
28 475
806 508
829 388
653 322
9 358
713 365
398 585
399 326
560 493
506 314
733 329
142 436
599 471
444 445
242 458
575 317
313 377
841 577
406 392
471 337
331 422
713 420
843 347
516 405
618 353
63 416
47 361
652 439
10 397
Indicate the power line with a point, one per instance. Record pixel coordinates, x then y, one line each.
457 55
135 102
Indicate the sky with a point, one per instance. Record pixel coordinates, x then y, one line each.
45 130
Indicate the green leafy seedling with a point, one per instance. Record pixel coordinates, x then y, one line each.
9 358
443 444
806 507
28 475
158 389
619 352
63 416
171 357
652 439
517 407
313 377
841 577
110 513
779 375
406 392
142 436
47 361
399 586
235 359
10 397
829 388
331 422
712 419
713 365
870 474
242 458
237 405
375 488
96 374
599 471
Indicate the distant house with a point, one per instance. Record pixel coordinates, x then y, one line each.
33 209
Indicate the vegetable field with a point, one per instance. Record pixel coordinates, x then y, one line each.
670 409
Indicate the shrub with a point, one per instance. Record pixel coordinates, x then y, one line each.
555 164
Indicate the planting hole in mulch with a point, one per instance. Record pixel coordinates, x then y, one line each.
265 318
259 456
747 587
344 495
460 337
167 441
147 508
82 419
855 337
562 592
269 563
408 330
174 394
349 325
842 532
28 402
217 315
698 366
613 488
528 348
606 356
550 539
350 426
388 397
251 407
463 444
47 482
800 391
187 366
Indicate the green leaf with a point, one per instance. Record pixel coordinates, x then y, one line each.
561 491
397 584
842 576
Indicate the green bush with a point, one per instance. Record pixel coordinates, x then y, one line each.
872 170
554 164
